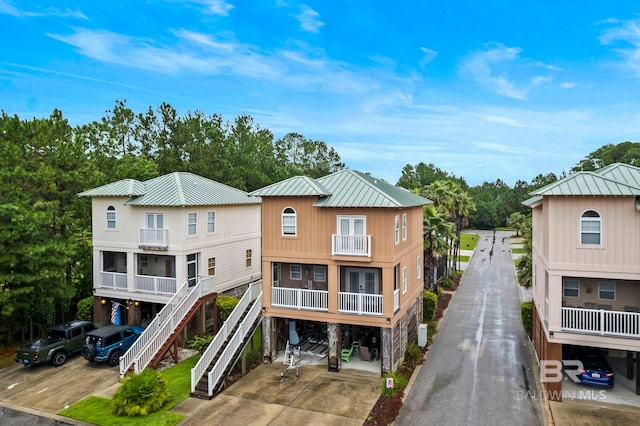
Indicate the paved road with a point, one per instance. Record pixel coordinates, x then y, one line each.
478 371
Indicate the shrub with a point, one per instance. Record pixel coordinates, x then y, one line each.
200 343
85 309
400 382
413 354
429 305
141 394
225 307
526 315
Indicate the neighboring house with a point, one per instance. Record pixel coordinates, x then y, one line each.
151 237
586 263
343 263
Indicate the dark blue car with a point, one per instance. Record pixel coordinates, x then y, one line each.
596 370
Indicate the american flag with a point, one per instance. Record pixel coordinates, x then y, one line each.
114 312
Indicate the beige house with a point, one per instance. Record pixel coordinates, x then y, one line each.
586 268
342 262
151 237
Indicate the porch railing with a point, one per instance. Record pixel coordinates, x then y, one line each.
299 298
114 280
351 245
360 303
601 321
155 285
154 237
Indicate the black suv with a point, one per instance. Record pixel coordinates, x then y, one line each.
109 343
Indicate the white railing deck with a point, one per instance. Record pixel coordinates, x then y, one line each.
154 237
114 280
253 292
351 245
300 298
360 303
155 285
164 324
602 322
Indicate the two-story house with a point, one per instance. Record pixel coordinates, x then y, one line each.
151 237
586 264
343 263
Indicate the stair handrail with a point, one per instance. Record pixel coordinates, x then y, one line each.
216 373
218 341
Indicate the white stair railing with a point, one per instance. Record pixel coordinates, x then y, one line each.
254 290
216 373
164 324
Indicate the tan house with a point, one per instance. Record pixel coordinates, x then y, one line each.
152 237
342 262
586 268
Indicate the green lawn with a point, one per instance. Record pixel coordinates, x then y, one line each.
517 250
98 410
463 258
468 241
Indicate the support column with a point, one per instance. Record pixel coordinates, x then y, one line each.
630 365
385 349
268 340
333 341
637 375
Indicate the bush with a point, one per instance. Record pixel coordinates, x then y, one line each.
413 354
429 305
225 307
400 382
526 315
85 309
200 343
141 394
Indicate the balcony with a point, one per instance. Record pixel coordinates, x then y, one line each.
113 280
360 303
154 238
299 298
155 285
601 322
351 245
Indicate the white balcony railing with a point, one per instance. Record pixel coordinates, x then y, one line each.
155 285
153 237
602 322
114 280
351 245
396 300
360 303
299 298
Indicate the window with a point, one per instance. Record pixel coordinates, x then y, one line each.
111 217
404 280
211 266
211 222
607 290
320 273
404 227
571 288
288 221
248 259
418 267
295 272
590 228
397 229
192 269
192 219
155 221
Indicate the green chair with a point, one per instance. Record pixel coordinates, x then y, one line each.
346 354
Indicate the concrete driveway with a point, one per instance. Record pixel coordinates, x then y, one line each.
317 397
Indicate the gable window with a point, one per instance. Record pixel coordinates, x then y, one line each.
295 272
211 266
289 221
571 288
397 229
404 227
111 217
404 280
320 273
590 228
248 258
192 219
607 290
211 222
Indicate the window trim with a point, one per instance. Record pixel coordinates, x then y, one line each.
211 265
396 229
248 258
590 219
112 211
192 227
320 273
294 215
404 226
211 222
600 290
418 267
297 274
404 279
564 287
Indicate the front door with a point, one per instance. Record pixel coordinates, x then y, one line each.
362 280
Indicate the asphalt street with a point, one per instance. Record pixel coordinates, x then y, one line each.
478 370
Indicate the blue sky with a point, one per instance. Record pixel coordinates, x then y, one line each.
482 89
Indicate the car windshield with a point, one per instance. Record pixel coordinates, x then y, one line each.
56 334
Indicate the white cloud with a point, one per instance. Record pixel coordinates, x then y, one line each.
215 7
309 19
7 8
428 56
568 85
503 120
626 34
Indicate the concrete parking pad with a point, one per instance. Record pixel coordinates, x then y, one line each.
317 397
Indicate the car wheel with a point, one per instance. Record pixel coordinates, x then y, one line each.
59 358
88 352
114 358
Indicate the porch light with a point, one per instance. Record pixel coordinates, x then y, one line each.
103 302
136 303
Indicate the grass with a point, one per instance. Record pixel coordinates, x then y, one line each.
97 410
517 250
468 241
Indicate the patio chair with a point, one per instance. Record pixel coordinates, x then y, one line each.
346 354
356 345
365 355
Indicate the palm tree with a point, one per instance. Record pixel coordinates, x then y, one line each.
516 221
436 234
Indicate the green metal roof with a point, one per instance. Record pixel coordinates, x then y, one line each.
176 189
121 188
589 183
297 186
621 172
533 200
346 188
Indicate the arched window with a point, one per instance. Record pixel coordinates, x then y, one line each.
111 217
288 221
590 228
